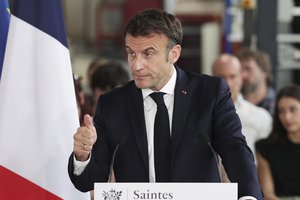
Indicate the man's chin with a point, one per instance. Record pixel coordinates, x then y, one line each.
247 89
141 85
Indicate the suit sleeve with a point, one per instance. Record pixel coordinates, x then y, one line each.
97 169
230 144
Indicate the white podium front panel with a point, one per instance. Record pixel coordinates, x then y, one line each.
165 191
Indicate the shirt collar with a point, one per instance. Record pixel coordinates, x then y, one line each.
168 88
239 100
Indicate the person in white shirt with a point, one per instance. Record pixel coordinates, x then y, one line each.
256 121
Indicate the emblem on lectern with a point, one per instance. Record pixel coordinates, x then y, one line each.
112 195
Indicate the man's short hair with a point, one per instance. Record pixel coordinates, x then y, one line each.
261 58
157 21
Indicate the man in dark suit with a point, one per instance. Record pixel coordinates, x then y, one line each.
201 112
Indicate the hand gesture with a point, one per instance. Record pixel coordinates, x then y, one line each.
84 139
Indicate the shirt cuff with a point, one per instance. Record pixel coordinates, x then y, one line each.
79 166
247 198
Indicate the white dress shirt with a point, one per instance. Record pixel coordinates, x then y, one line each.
256 121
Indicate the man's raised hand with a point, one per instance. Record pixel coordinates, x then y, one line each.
84 139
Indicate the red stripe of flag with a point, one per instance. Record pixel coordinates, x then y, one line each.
13 187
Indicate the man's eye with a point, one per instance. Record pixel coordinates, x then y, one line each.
130 53
149 54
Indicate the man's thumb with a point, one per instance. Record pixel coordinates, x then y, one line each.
88 121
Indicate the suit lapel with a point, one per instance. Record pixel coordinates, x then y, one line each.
135 108
182 98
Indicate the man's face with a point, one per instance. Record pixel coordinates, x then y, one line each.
252 75
150 62
231 72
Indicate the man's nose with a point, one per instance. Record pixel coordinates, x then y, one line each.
137 63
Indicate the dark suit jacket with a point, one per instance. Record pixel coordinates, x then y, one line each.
202 105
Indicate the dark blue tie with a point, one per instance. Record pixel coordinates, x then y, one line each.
162 140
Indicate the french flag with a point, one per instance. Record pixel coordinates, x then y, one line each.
38 112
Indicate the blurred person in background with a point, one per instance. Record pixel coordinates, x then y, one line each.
108 76
256 121
94 64
257 78
278 156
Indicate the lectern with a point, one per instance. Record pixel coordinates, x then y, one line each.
165 191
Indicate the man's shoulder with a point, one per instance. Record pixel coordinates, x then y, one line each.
201 78
200 75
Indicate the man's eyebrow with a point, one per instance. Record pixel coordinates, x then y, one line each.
150 48
127 47
145 50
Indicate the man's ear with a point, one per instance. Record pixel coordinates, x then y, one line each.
174 53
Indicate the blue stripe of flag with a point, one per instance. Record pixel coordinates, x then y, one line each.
4 23
44 15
